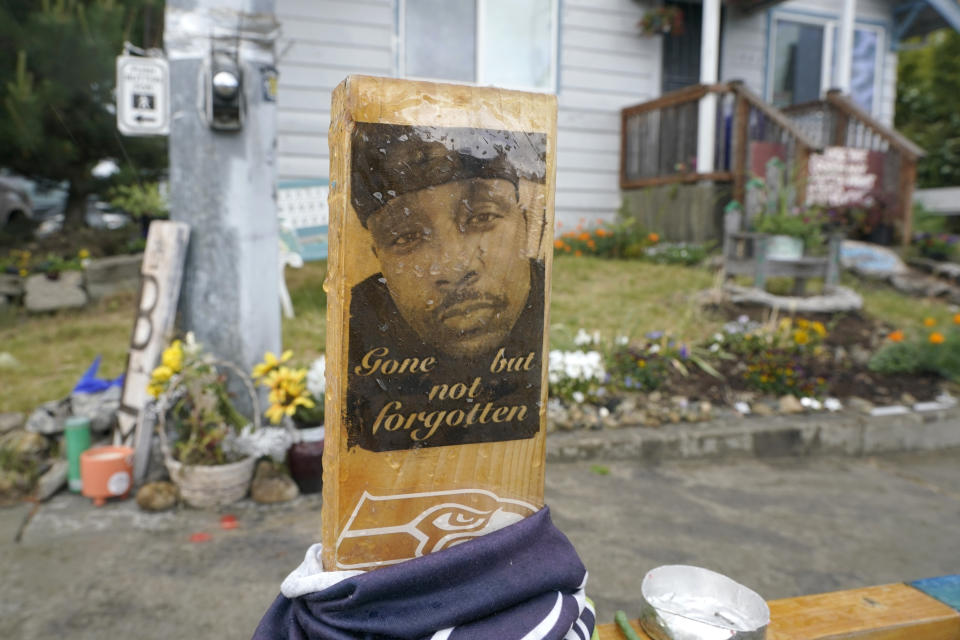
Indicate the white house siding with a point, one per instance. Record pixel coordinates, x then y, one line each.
603 66
745 44
321 43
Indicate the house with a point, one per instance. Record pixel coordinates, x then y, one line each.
591 53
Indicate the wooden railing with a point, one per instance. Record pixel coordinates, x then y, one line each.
659 139
838 121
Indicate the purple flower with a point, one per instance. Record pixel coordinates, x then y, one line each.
655 335
684 352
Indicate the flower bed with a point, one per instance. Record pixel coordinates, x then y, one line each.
822 362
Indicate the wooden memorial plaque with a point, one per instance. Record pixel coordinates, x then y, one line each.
440 248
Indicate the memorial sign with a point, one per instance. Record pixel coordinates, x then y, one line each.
441 227
842 176
161 274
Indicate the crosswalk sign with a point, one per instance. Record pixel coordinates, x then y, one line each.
143 96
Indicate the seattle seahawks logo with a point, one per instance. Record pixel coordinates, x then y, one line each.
442 519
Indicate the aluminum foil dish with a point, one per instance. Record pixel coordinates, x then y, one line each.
680 602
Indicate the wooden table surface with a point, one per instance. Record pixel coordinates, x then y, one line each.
885 612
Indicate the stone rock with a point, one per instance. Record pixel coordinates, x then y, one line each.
51 481
632 418
43 294
789 404
100 407
11 421
49 417
654 397
673 417
871 260
10 286
860 405
651 421
763 410
24 444
157 496
860 355
116 274
681 402
14 486
271 485
908 399
706 410
842 299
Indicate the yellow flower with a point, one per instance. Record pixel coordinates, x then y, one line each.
803 323
23 273
270 362
929 322
936 338
83 254
801 337
173 356
158 380
819 329
274 413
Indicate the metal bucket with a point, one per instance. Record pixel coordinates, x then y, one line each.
680 602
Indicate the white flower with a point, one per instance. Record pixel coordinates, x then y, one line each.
316 380
266 441
832 404
742 407
621 341
575 365
578 397
654 348
584 339
718 337
714 347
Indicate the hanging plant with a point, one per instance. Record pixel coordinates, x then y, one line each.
662 21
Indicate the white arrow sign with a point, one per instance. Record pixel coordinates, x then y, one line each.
143 96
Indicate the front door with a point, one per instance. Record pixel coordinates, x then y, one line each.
681 53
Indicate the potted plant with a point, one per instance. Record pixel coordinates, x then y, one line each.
202 455
667 20
296 394
793 231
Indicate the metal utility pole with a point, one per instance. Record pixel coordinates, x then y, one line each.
223 147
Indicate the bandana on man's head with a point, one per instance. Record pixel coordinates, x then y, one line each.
390 160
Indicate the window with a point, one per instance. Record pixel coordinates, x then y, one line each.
507 43
803 60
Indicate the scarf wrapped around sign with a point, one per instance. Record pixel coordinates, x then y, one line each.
524 581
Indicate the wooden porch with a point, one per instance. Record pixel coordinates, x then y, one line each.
659 142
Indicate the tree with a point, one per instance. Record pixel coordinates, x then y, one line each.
57 80
928 86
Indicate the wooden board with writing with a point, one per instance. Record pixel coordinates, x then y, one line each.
440 246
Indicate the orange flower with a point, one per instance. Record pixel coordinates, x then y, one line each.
929 322
603 233
584 237
578 253
936 338
591 244
653 237
956 318
558 244
896 336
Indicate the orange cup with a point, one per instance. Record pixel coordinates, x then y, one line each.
106 472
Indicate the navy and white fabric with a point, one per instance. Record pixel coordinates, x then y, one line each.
523 582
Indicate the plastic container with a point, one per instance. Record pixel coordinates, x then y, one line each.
77 430
107 472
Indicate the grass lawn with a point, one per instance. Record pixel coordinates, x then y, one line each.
613 297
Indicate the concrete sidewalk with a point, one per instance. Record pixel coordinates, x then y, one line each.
783 526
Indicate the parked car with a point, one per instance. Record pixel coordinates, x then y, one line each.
16 208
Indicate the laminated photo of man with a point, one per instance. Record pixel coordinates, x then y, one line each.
460 277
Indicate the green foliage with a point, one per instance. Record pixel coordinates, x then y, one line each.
930 350
140 200
928 83
57 76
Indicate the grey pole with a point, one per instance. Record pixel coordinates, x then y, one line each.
223 182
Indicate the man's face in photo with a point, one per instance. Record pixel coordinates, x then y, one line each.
455 262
